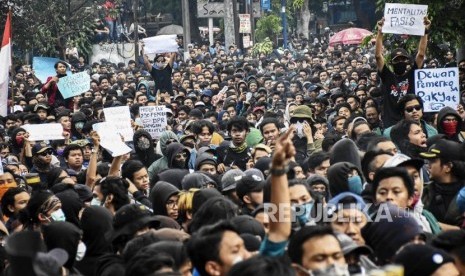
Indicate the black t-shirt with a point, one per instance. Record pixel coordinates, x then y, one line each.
231 158
162 79
394 88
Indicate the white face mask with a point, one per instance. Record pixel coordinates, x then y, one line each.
81 251
95 202
58 215
237 259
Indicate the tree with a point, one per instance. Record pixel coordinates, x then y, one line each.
46 27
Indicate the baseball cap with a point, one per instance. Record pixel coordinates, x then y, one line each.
51 262
402 160
399 52
230 179
39 148
427 259
445 149
348 245
248 184
129 219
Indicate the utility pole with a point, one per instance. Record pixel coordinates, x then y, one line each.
284 19
135 9
229 22
186 39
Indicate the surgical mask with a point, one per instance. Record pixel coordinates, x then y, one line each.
19 140
399 68
95 202
79 125
303 212
450 127
321 194
355 184
237 259
6 187
81 251
58 215
333 270
143 143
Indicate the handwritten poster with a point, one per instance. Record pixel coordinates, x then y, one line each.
244 24
153 119
160 44
110 140
73 85
404 19
437 88
45 132
121 118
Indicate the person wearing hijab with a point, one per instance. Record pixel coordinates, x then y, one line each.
96 221
66 236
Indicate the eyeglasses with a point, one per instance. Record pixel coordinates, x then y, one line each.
171 203
47 152
411 108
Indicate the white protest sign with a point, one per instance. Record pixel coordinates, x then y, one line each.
110 139
73 85
45 132
437 88
404 19
244 24
153 119
160 44
121 118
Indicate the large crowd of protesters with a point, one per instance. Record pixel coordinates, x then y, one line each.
314 160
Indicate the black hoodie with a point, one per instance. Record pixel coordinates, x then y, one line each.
71 204
77 117
95 222
338 177
173 176
146 156
345 150
64 235
161 192
445 111
16 148
172 150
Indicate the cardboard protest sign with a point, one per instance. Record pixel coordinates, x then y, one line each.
44 67
404 19
74 85
45 132
121 118
160 44
153 119
110 139
437 88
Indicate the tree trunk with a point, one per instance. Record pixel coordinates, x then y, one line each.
194 22
304 20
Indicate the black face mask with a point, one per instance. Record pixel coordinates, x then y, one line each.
179 164
399 68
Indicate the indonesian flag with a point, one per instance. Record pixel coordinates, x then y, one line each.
5 63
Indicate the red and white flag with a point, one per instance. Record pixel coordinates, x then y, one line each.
5 64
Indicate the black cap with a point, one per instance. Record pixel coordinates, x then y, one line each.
444 149
399 52
249 184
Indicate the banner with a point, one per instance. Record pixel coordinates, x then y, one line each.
120 117
110 139
74 85
404 19
45 132
216 9
153 119
437 88
160 44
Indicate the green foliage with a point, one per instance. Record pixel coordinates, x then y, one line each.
46 27
264 47
268 26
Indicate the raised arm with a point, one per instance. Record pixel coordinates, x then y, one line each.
172 58
420 58
91 174
280 230
379 46
147 63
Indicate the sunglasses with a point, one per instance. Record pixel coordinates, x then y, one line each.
47 152
183 155
411 108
